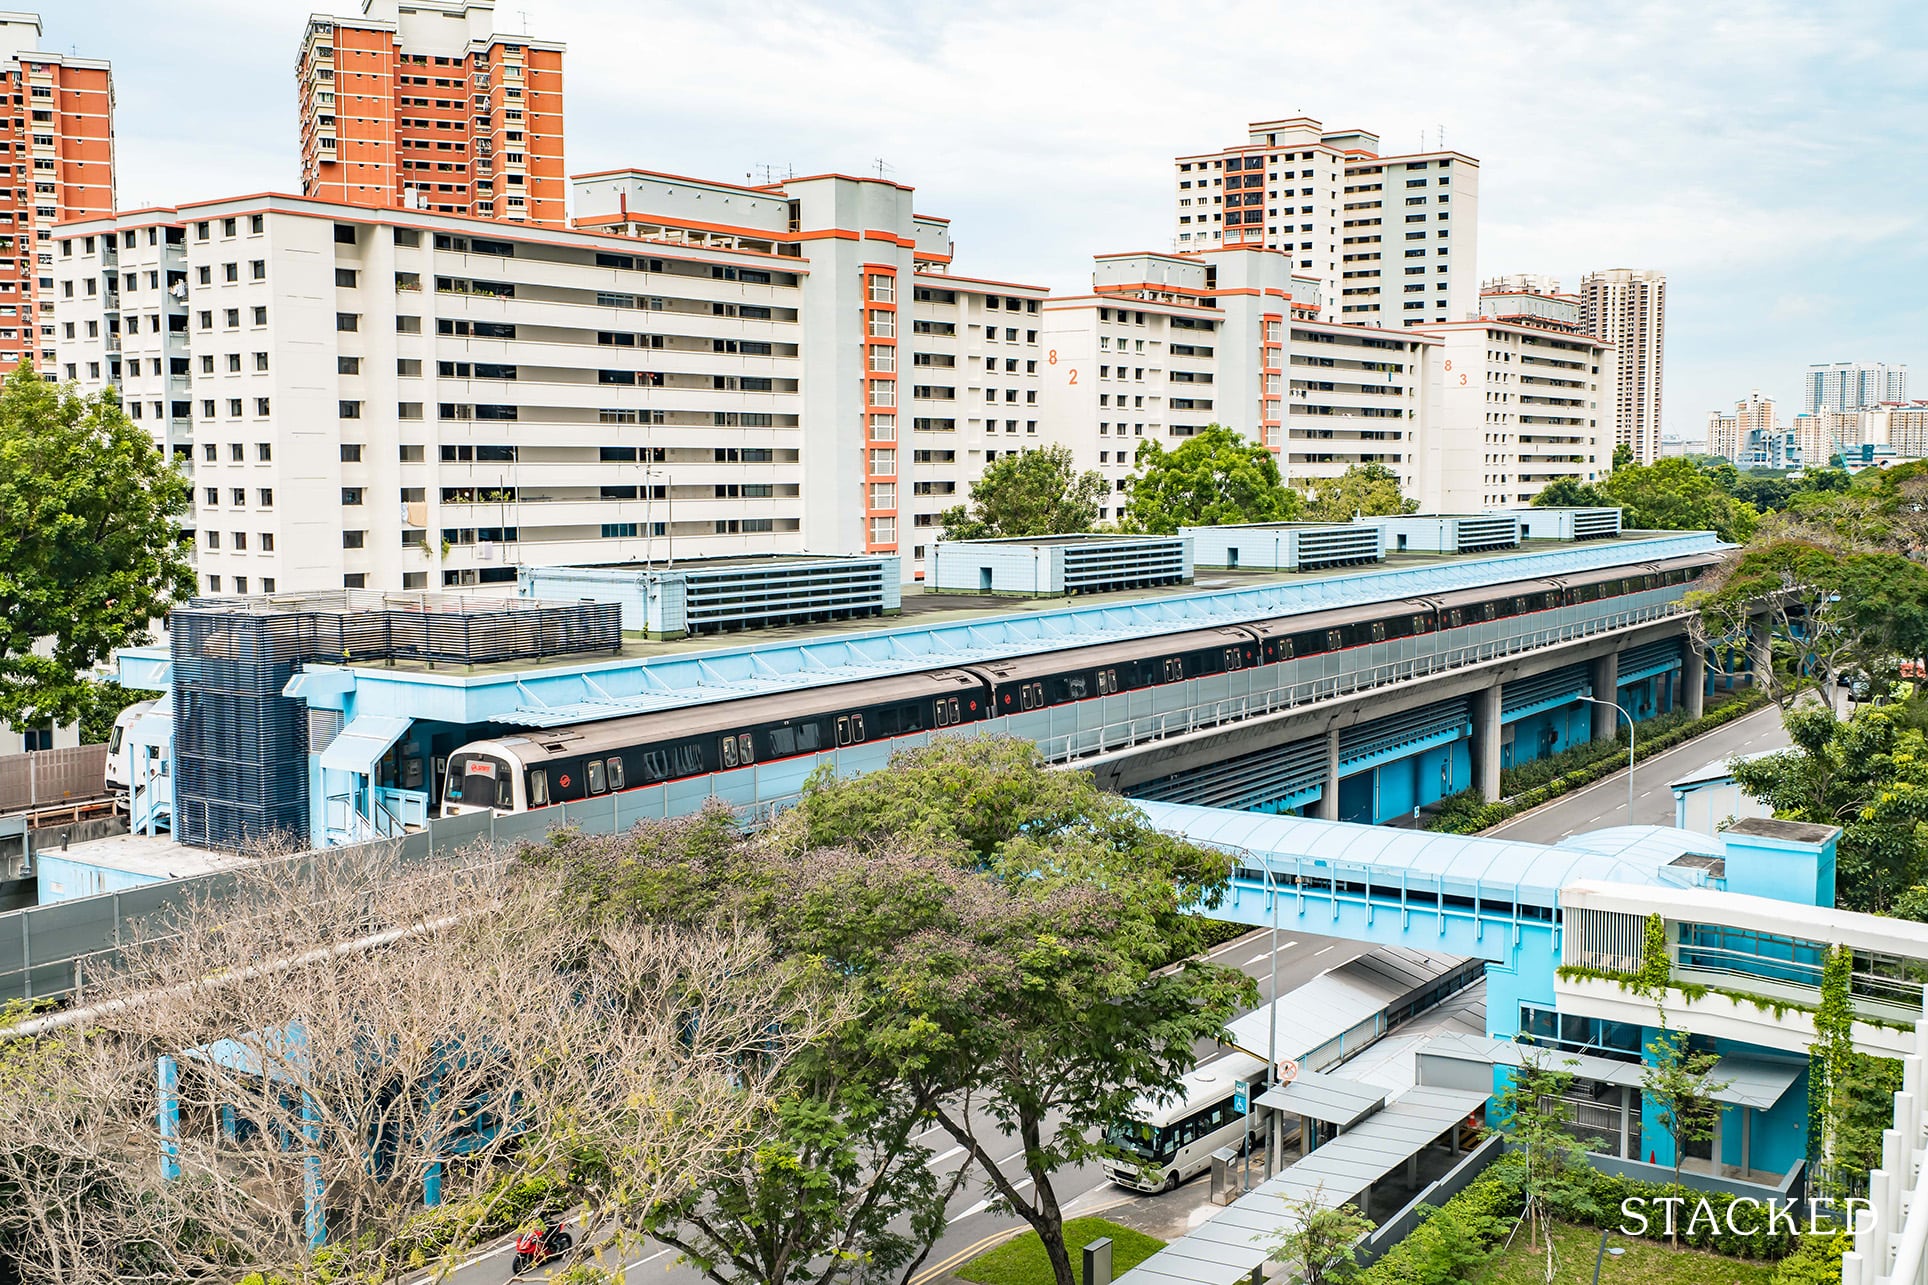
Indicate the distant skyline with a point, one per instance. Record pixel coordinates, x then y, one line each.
1768 157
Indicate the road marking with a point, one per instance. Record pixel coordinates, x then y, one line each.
938 1160
936 1128
971 1250
1008 1159
652 1258
1234 944
1257 959
1317 953
983 1205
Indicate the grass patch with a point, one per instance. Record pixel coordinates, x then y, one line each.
1022 1261
1645 1262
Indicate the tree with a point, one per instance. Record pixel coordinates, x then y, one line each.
1537 1118
1868 775
1828 610
90 553
1038 1005
1214 478
1674 495
348 1035
1568 493
1622 455
1363 490
833 1187
1036 492
1679 1081
1830 1063
1323 1240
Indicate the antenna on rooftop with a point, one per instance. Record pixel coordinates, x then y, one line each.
770 173
882 165
525 20
1442 138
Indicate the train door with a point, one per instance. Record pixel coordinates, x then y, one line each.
440 746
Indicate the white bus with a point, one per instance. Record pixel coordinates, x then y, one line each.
1172 1139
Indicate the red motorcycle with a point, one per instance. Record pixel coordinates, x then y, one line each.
534 1248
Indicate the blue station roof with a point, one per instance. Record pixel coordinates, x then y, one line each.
1503 869
667 676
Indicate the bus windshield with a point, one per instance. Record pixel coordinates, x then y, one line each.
479 781
1142 1140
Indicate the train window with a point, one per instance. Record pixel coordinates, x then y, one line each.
1024 696
1379 631
1334 639
1421 624
1037 694
655 766
745 750
597 781
1453 618
505 791
539 788
783 742
615 774
1519 606
856 727
1076 687
956 710
1104 683
729 751
1232 659
843 729
1285 649
943 713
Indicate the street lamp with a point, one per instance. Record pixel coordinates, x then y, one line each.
1594 700
1272 1037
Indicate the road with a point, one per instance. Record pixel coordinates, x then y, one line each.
972 1226
1604 803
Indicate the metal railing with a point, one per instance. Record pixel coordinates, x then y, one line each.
1127 733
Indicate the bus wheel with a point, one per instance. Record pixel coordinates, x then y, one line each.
1171 1181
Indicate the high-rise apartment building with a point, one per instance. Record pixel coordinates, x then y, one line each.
1391 239
1165 345
57 145
1750 434
1520 404
1628 309
422 104
407 400
1852 385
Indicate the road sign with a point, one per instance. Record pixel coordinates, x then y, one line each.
1241 1096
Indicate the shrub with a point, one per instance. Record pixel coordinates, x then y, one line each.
1815 1261
1455 1239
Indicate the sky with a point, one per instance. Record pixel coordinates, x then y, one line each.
1770 158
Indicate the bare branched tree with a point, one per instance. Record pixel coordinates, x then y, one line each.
292 1072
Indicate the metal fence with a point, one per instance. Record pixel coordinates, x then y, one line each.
42 777
47 951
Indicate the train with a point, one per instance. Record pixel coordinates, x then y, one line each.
538 768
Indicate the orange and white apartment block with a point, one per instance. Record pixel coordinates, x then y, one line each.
57 144
422 104
1391 239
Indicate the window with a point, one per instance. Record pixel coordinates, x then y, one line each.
258 271
230 272
231 317
267 546
344 234
267 497
349 410
263 452
344 277
352 321
234 363
413 326
351 495
261 361
353 539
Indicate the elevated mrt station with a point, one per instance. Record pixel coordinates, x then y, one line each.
1399 669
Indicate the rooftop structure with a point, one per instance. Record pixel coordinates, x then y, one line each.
1058 566
727 595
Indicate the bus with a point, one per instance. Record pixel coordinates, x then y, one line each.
1171 1139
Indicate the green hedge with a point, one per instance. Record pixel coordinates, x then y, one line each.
1467 813
1461 1234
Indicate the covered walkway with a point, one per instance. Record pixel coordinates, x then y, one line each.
1225 1250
